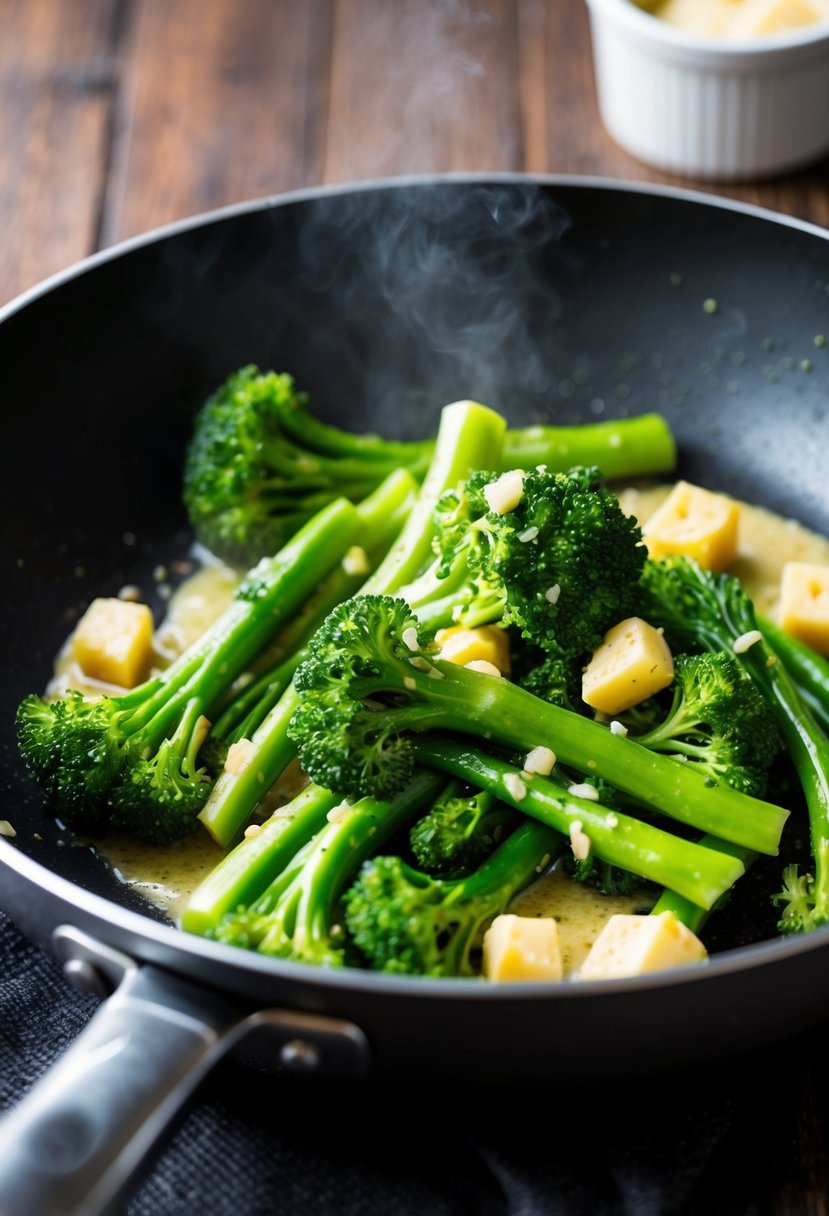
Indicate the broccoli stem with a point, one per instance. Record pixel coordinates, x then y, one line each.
381 516
266 598
309 431
629 447
469 702
808 669
700 874
293 916
244 873
235 795
470 437
692 915
626 447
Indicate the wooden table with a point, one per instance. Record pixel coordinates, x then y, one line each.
117 116
120 115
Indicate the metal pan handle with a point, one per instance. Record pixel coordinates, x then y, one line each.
74 1144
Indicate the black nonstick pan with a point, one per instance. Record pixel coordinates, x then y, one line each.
548 299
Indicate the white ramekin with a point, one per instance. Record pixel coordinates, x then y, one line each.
706 107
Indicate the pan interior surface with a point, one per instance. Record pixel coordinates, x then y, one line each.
554 301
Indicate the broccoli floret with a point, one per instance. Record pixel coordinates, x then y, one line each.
411 923
577 573
801 898
461 829
562 566
370 681
718 721
74 752
296 916
603 877
709 611
555 679
132 759
260 465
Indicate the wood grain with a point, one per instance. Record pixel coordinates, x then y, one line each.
58 75
221 101
423 86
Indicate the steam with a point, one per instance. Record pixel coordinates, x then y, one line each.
420 68
438 290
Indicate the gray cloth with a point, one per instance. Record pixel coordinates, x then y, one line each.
255 1145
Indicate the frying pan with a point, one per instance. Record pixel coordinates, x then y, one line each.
556 299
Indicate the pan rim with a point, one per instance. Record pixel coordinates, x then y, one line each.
177 941
105 912
307 193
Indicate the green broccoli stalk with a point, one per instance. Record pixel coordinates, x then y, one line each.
718 721
410 923
461 829
468 435
692 915
626 447
381 517
244 873
698 873
370 681
259 464
703 610
296 916
562 566
132 760
808 669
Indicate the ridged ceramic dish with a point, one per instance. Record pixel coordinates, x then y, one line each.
709 107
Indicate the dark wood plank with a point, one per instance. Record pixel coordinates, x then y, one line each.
223 101
57 78
423 87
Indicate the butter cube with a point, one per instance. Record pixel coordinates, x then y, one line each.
697 523
522 948
487 642
113 642
804 603
634 945
633 662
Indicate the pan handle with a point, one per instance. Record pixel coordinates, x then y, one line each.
74 1144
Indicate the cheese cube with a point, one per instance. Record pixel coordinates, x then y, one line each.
632 663
113 642
804 603
460 645
634 945
697 523
522 948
